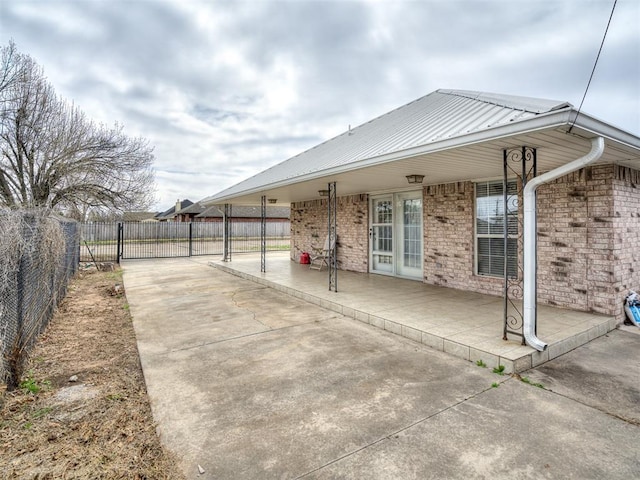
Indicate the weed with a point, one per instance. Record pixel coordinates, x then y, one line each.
115 396
499 370
495 385
480 363
115 276
126 306
528 381
27 425
30 384
42 412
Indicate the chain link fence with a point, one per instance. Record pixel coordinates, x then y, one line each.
40 254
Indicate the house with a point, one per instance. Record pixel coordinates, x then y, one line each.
139 216
189 213
244 214
170 214
459 188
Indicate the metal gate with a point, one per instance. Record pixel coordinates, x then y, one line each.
112 241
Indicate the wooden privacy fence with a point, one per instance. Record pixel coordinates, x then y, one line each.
112 241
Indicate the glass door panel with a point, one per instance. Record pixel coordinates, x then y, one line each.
381 233
409 234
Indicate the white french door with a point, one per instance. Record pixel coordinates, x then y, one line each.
396 234
381 234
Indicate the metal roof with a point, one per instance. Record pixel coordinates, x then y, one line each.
439 121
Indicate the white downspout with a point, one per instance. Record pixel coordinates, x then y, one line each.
530 237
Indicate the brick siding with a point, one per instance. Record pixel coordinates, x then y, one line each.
449 258
309 230
626 234
588 236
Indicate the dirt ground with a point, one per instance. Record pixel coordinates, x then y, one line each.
83 410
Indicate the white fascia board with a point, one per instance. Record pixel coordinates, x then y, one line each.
602 129
548 121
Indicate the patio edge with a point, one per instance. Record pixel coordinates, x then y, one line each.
515 363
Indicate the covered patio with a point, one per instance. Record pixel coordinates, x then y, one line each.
465 324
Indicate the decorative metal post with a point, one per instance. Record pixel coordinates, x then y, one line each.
333 237
263 233
226 234
519 164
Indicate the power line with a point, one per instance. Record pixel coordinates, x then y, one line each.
594 65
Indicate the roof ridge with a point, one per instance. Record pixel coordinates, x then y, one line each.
528 104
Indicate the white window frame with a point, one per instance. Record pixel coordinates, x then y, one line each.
477 236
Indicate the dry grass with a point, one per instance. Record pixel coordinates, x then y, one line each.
98 427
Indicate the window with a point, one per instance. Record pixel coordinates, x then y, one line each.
490 228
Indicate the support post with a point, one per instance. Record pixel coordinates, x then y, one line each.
333 237
226 234
519 164
263 234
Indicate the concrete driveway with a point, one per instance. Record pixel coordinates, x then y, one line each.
247 382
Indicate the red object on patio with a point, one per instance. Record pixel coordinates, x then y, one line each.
304 258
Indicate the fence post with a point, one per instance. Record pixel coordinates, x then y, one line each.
226 233
119 243
190 239
263 234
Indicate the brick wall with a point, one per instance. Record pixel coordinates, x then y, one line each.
626 230
564 248
309 230
588 239
449 239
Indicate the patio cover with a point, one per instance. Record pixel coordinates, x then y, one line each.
447 136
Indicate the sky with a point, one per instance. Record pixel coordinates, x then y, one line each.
225 89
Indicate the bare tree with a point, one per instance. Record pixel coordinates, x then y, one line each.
53 156
8 66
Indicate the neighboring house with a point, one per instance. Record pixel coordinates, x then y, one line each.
189 213
244 214
420 195
139 216
170 215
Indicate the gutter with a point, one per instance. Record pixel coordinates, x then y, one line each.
530 237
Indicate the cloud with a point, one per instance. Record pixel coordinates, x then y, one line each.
226 89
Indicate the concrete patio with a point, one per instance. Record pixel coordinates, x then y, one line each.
467 325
